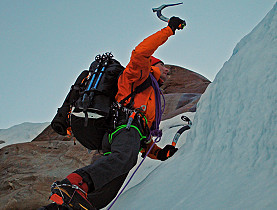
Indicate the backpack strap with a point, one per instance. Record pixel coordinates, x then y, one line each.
143 86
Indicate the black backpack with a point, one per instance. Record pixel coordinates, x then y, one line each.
87 107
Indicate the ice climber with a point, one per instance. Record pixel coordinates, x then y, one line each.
95 186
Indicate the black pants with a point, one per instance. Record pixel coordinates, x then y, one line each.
109 172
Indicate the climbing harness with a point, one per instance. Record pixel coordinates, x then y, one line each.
125 126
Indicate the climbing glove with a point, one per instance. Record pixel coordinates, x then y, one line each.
163 153
176 23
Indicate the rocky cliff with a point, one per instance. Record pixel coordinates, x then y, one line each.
182 91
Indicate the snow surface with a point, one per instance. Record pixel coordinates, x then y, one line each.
229 160
24 132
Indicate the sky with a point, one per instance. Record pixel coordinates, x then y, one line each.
44 45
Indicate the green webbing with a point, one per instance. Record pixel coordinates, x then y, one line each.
145 119
124 126
107 153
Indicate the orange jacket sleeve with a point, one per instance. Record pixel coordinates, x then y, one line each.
139 66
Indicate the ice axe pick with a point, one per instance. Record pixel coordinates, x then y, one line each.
158 10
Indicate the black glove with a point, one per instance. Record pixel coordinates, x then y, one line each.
162 154
176 23
60 122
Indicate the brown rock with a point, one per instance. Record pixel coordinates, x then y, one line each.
182 91
48 134
177 103
27 171
182 80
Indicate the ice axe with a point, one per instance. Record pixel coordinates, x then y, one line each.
158 10
180 131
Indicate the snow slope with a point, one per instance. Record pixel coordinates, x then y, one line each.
229 160
24 132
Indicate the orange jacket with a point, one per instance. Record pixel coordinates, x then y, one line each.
138 70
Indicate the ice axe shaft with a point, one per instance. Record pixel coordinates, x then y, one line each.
158 10
180 131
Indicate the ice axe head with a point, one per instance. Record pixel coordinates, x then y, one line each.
158 10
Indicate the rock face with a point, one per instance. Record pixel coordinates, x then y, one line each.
27 170
177 103
50 135
182 91
182 80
